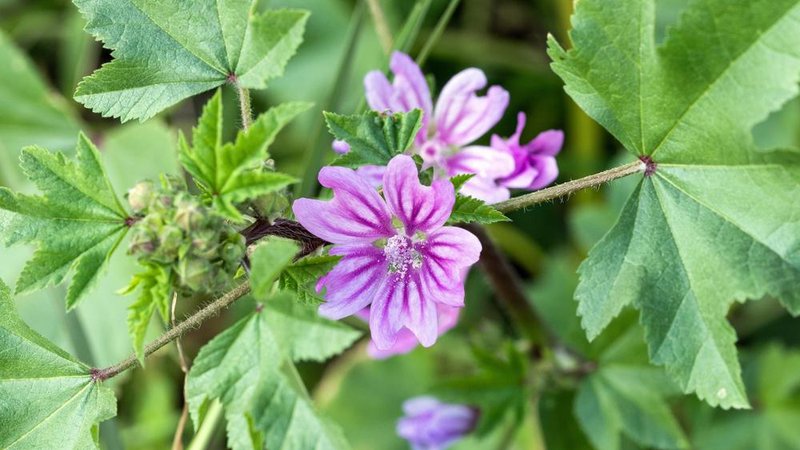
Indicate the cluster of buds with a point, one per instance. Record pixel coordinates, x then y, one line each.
176 230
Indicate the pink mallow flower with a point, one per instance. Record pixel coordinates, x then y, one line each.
535 162
459 119
398 258
432 425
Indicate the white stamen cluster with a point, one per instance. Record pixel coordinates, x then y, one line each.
401 255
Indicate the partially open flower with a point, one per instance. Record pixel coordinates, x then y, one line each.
432 425
398 258
535 162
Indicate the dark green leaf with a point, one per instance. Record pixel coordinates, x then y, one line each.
169 50
301 277
470 209
269 259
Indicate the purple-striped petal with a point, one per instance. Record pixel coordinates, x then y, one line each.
407 341
356 214
401 303
448 252
419 208
351 285
385 313
462 116
546 168
535 163
547 143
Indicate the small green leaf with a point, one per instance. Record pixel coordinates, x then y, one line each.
169 50
469 209
459 180
233 173
49 399
374 137
301 277
269 259
249 369
713 222
77 224
155 294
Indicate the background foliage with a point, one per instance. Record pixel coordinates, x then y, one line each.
615 400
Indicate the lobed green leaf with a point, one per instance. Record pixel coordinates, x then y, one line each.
374 137
169 50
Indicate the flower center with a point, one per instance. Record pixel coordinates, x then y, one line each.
401 254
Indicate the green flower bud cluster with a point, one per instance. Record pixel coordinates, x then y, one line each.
175 230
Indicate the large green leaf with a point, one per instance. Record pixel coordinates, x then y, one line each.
76 224
169 50
49 400
234 172
29 113
250 369
714 222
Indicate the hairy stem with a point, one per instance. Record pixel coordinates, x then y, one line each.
245 107
190 323
381 26
570 187
509 290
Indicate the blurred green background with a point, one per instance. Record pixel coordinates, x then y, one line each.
43 55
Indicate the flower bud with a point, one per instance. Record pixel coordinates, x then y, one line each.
188 215
194 274
140 196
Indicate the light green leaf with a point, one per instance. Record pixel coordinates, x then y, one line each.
29 113
469 209
169 50
714 223
374 137
234 172
76 224
49 400
249 369
268 260
621 400
301 277
155 294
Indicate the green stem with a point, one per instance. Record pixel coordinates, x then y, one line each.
190 323
570 187
207 428
245 107
509 290
437 31
381 26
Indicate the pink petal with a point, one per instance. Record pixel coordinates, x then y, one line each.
352 283
484 162
546 143
385 313
486 189
408 91
419 208
522 178
547 170
373 174
407 341
420 405
357 213
421 317
461 115
448 252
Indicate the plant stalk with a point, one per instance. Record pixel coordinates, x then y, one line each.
570 187
190 323
437 32
509 289
245 107
381 26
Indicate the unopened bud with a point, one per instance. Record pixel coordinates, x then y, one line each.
140 196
